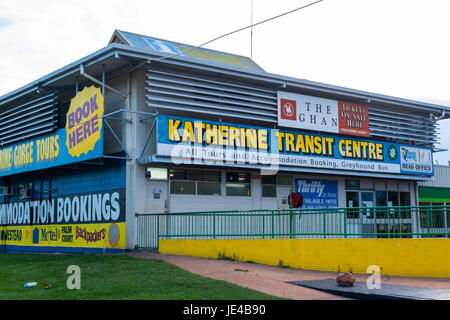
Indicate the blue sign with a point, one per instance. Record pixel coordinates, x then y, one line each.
212 142
317 193
43 152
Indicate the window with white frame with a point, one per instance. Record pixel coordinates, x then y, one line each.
195 182
238 184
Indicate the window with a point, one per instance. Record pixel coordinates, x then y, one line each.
214 176
177 174
381 201
238 184
195 175
269 184
157 173
209 183
285 180
195 182
269 187
209 188
352 184
405 201
269 179
238 177
182 187
393 199
352 200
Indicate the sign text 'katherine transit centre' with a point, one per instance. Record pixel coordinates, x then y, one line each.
198 141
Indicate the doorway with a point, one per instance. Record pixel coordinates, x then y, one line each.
360 199
157 191
282 197
361 219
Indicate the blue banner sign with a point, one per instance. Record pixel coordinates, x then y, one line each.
317 193
41 153
197 141
85 132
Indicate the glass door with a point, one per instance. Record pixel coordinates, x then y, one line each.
360 199
352 201
367 214
367 202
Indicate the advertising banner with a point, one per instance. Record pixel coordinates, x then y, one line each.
89 220
414 160
319 114
81 139
353 119
317 193
305 112
193 141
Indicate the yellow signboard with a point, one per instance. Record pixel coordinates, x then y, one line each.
98 235
84 121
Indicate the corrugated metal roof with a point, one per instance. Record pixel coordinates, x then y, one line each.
170 48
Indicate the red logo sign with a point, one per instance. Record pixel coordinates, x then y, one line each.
288 109
353 119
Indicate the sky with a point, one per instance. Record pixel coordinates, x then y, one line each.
399 48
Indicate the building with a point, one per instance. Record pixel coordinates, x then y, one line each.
435 194
146 125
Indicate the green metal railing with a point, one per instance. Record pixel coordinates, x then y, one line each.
367 222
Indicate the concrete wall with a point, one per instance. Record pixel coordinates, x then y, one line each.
403 257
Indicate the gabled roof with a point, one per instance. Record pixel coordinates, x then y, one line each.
170 48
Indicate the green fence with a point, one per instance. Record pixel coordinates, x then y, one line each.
368 222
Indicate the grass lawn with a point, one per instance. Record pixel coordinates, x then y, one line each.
106 277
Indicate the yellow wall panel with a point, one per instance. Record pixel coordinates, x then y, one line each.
404 257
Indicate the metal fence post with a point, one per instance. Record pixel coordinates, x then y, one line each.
157 233
345 222
273 225
214 225
264 225
291 204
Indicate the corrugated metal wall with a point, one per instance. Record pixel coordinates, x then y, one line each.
441 177
207 95
33 118
204 95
